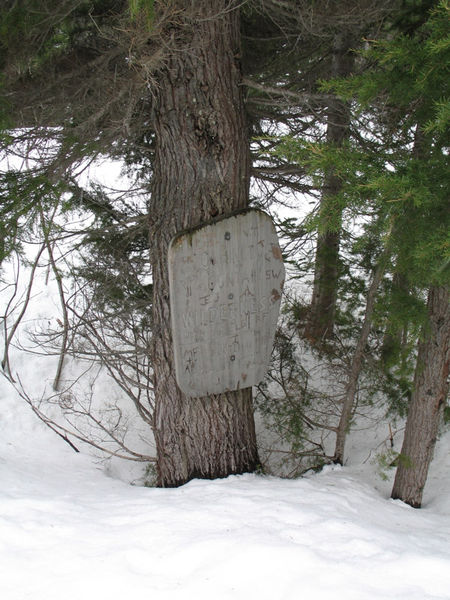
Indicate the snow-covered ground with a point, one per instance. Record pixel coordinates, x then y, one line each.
69 531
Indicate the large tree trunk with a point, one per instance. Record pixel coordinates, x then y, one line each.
201 170
428 401
322 311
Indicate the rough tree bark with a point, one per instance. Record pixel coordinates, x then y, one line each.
427 402
201 170
322 311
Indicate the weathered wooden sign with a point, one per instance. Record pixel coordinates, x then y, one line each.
226 280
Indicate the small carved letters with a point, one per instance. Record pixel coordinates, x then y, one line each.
226 280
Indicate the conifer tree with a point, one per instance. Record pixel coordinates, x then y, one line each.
321 316
160 84
409 80
104 73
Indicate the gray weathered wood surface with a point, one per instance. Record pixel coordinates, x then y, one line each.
226 280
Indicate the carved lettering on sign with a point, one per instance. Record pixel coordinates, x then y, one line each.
226 280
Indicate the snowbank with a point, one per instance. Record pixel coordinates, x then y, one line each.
69 531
